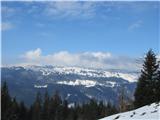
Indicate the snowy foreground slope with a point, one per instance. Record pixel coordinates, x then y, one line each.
148 112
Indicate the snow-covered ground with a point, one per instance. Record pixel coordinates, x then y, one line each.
148 112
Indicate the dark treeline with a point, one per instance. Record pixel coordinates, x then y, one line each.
52 108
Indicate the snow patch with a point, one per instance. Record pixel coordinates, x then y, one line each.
68 95
71 105
40 86
89 96
86 83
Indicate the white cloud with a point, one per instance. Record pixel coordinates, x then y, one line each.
135 25
89 9
33 54
70 9
6 26
102 60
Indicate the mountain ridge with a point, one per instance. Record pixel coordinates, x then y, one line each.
81 83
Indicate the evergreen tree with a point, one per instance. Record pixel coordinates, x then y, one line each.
90 110
5 102
111 109
52 109
14 111
37 108
146 89
65 111
30 113
74 112
157 84
101 110
22 112
55 103
45 108
125 103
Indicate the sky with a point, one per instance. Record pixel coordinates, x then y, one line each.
91 34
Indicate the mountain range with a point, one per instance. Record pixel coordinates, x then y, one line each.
75 84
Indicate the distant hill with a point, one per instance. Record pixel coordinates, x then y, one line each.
73 83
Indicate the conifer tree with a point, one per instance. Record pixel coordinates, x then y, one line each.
5 102
146 89
22 111
52 109
30 113
101 110
125 102
45 108
14 112
157 84
55 102
65 111
37 108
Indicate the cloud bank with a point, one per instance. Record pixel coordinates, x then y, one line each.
98 60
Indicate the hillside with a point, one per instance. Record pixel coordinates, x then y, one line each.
148 112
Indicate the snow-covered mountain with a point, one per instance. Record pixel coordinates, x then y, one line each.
73 83
148 112
47 70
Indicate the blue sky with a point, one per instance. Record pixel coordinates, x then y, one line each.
74 28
